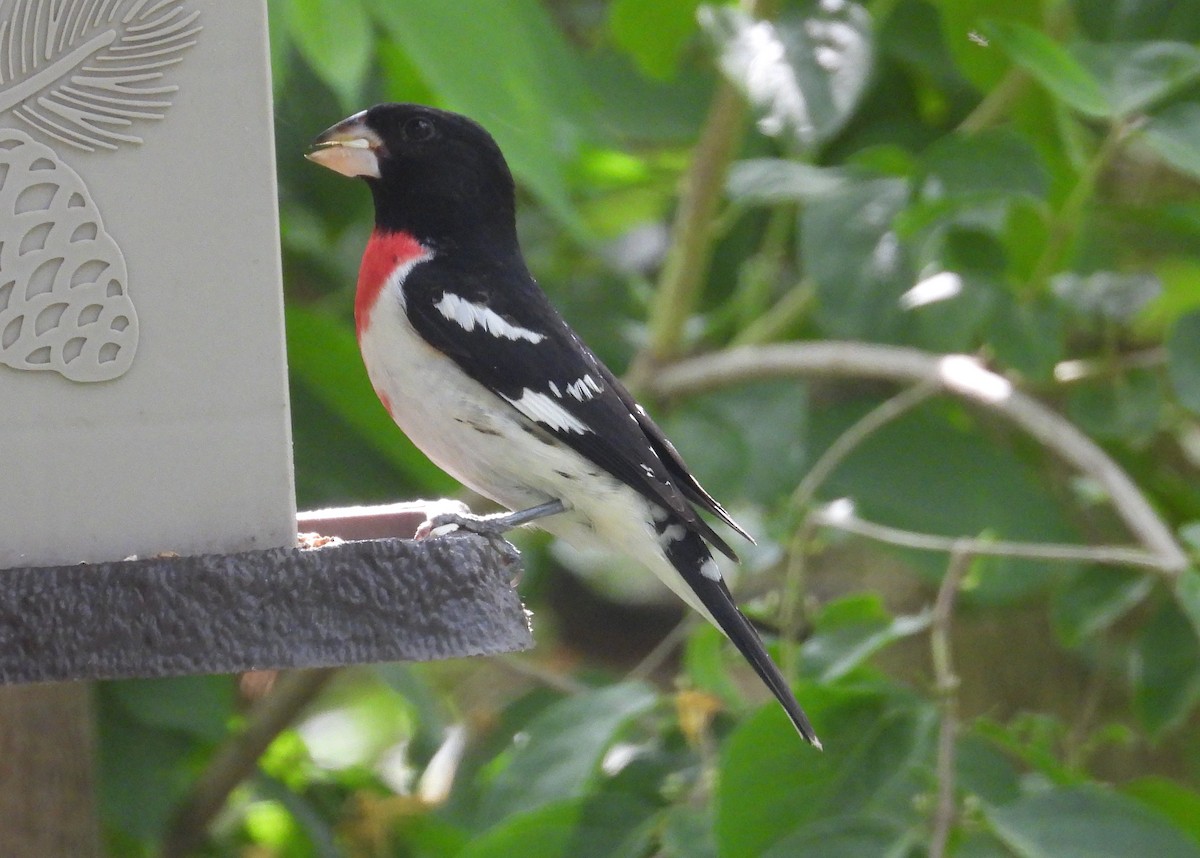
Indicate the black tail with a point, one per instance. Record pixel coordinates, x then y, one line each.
691 557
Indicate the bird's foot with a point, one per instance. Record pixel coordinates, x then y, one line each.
486 525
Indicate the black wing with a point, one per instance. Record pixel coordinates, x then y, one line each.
540 367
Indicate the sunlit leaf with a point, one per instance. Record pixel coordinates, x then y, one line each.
654 34
1177 802
335 37
1053 66
803 73
963 24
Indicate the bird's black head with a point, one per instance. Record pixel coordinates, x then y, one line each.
434 174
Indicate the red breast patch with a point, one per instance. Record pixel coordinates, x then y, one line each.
385 252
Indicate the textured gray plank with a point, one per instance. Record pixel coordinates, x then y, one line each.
372 601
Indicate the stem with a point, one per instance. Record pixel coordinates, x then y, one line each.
654 659
996 104
835 516
238 758
774 323
1065 223
794 581
854 436
688 259
961 376
946 685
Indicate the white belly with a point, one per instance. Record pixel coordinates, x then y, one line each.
484 443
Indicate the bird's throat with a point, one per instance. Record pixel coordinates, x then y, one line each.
386 254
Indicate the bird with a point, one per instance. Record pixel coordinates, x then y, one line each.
482 373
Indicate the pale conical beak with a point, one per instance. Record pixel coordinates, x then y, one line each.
350 148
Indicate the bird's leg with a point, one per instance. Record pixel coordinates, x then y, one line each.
490 525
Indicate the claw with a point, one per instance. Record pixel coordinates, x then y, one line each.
484 525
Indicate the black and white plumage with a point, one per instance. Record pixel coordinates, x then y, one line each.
482 373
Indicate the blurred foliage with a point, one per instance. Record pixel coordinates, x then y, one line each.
1017 180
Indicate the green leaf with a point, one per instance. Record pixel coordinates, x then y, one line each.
852 629
840 837
561 749
856 259
1094 599
773 785
935 460
1104 20
767 181
803 73
1110 295
1173 800
543 832
144 771
704 659
1052 65
198 706
992 163
1037 741
1086 822
1028 336
1136 76
962 22
688 833
759 459
654 34
1183 360
1166 670
1187 594
1129 407
1174 133
506 65
334 36
983 771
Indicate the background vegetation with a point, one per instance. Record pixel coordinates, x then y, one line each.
819 200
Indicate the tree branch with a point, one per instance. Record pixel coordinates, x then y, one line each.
238 758
962 376
840 516
946 685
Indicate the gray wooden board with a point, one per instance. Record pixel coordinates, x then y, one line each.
357 602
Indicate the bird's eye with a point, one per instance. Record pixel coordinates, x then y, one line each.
418 129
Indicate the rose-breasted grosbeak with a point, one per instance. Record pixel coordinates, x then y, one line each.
482 373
